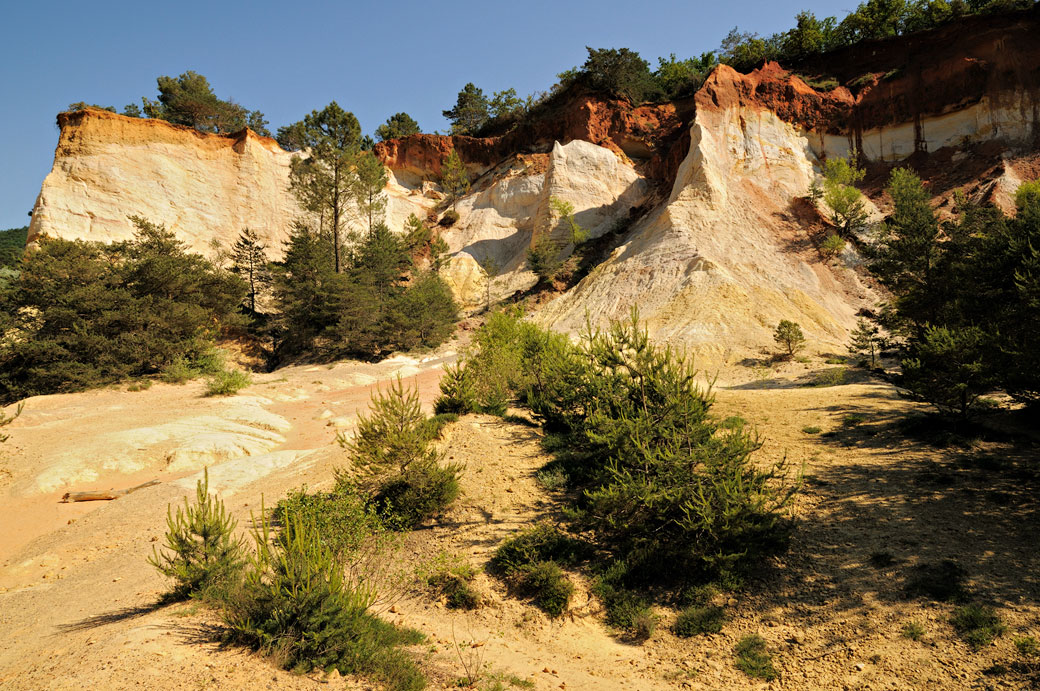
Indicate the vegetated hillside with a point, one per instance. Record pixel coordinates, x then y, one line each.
699 198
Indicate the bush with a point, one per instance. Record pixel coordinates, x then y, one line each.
753 659
977 625
544 258
543 542
832 246
453 581
547 586
204 559
457 392
811 429
698 620
298 607
82 314
227 383
344 520
450 218
421 491
551 479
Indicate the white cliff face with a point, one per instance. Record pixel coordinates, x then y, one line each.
723 261
500 221
205 188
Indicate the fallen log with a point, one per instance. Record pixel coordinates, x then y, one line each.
104 495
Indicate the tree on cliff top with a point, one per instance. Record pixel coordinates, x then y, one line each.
470 112
189 100
397 126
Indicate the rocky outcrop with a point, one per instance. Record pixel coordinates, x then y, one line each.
204 187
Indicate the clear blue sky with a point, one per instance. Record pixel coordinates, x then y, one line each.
288 58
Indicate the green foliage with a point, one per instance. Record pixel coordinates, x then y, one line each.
325 182
977 625
397 126
551 479
12 246
80 105
84 314
947 368
452 579
832 246
227 383
812 429
698 620
249 261
454 179
189 100
457 392
547 586
753 658
298 606
541 543
369 181
848 211
470 112
1028 646
565 211
201 554
423 490
620 72
788 335
680 78
914 630
450 218
6 419
345 520
544 258
866 338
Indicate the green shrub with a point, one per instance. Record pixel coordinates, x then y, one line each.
1028 646
733 422
832 376
544 258
421 491
453 580
394 435
694 621
298 606
753 658
853 419
227 383
914 630
543 542
977 625
547 586
644 624
201 554
832 246
551 479
140 385
811 429
178 371
457 393
623 606
450 218
344 519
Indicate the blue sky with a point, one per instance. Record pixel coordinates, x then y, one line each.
289 58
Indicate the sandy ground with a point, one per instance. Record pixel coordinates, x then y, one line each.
76 592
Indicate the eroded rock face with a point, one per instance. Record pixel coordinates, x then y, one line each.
204 187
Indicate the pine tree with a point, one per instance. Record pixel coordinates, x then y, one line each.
457 393
565 211
202 551
370 181
866 338
308 291
490 267
789 336
839 191
454 178
397 126
249 260
323 181
470 112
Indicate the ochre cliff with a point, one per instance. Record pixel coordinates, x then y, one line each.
204 187
719 243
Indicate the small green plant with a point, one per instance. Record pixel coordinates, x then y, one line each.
977 625
733 422
543 542
450 218
453 580
811 429
832 376
227 383
914 630
543 258
1028 646
867 338
788 335
422 490
853 419
565 211
178 371
551 479
457 393
698 620
832 246
753 658
547 586
834 361
140 385
644 624
201 554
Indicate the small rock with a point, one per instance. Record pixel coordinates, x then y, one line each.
860 666
393 609
545 670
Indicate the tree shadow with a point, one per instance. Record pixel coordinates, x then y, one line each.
113 617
